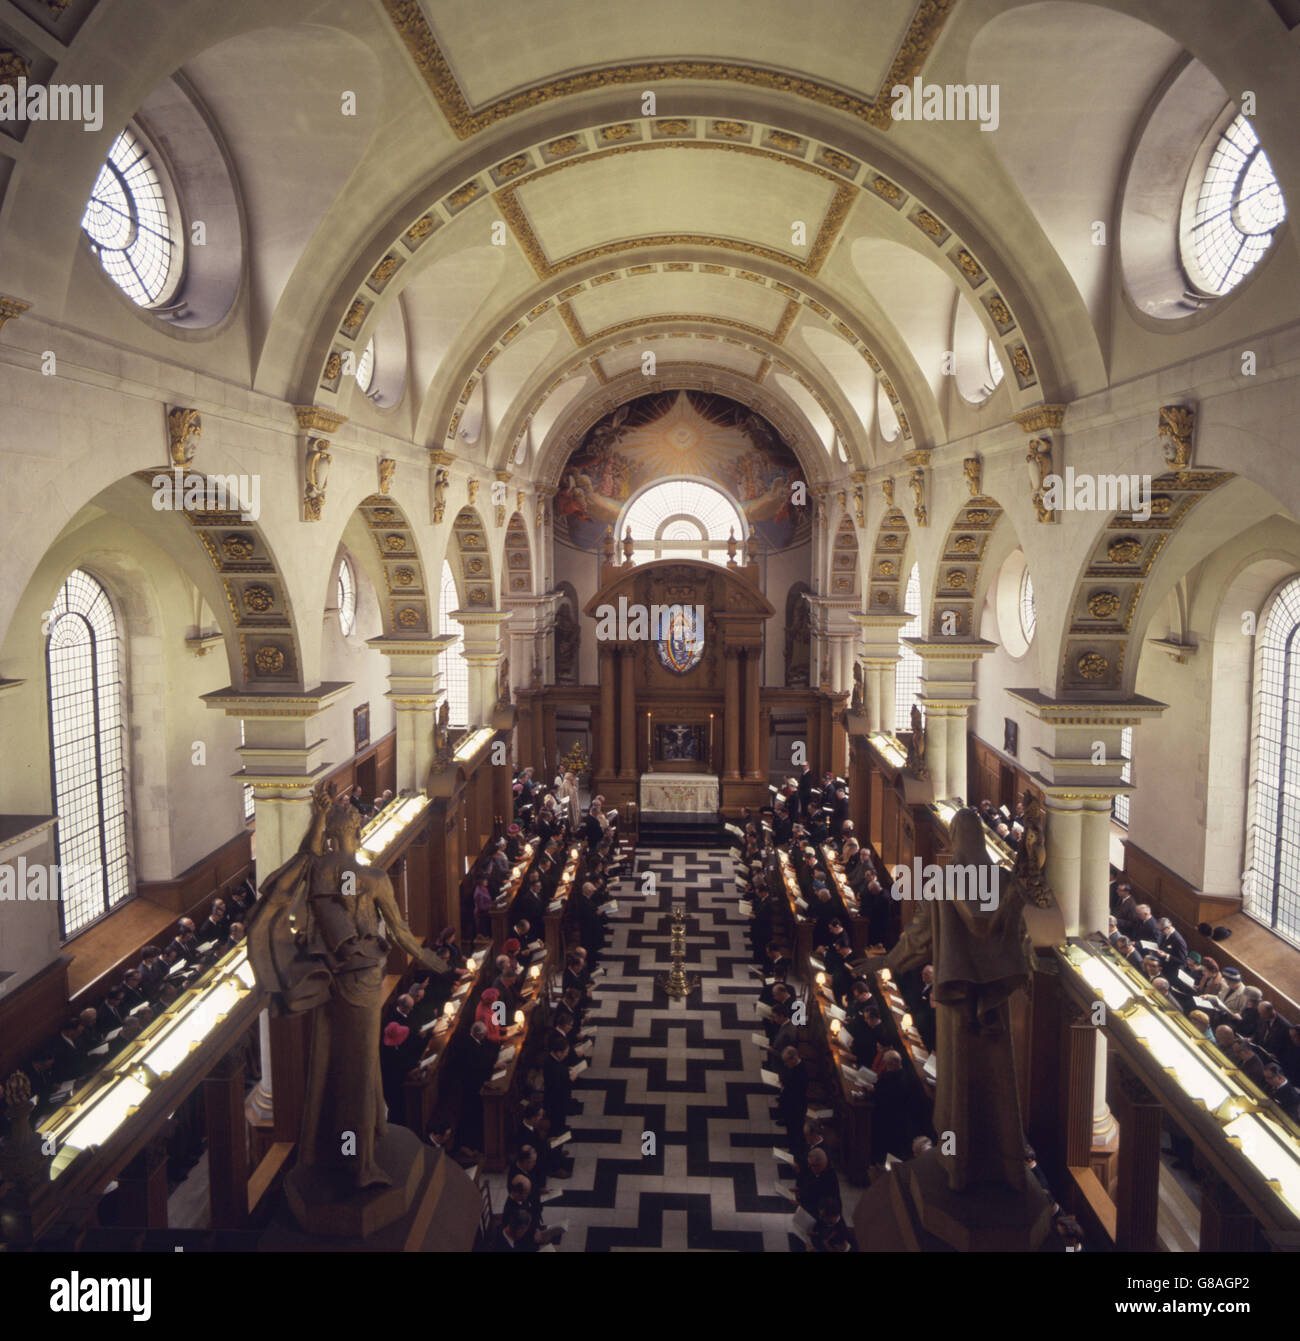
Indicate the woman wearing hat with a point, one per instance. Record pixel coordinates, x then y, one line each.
489 1012
1234 996
1211 981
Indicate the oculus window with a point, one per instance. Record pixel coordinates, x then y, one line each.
130 223
1238 208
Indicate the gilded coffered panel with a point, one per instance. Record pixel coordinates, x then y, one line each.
477 83
957 582
1105 601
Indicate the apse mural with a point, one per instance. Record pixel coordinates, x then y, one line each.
680 433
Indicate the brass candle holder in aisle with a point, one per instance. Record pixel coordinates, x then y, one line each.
676 982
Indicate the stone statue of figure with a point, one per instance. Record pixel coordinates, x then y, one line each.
317 944
916 755
980 952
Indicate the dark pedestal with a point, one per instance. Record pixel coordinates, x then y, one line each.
913 1210
441 1215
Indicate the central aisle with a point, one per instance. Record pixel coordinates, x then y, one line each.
685 1071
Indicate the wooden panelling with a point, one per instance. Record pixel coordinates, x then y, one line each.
31 1016
218 870
1171 894
989 771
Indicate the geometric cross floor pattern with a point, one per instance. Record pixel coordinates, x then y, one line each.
686 1072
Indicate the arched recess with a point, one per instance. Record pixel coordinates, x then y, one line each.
959 574
568 635
1103 624
517 570
471 562
798 636
887 575
257 610
845 569
406 601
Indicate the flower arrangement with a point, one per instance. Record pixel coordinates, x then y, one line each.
576 761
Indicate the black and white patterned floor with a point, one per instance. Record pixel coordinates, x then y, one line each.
683 1072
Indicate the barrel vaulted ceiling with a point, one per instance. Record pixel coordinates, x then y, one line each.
546 191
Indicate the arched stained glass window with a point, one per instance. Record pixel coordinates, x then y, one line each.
455 674
907 675
682 517
1271 889
86 735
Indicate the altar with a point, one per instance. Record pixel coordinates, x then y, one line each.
681 796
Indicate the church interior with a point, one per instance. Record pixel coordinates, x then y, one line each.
649 628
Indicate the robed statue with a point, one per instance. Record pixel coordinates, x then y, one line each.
319 941
981 954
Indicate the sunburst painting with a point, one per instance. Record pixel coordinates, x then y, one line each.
673 434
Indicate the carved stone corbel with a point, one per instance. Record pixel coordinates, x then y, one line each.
916 482
1039 458
1176 426
887 488
11 309
387 469
441 483
184 428
973 468
318 470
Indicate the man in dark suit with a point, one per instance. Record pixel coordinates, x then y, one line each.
152 971
1146 927
516 1233
132 991
1124 948
535 1131
69 1056
792 1106
472 1062
807 786
782 824
591 926
817 1184
557 1077
1281 1090
1173 948
216 924
111 1014
1272 1031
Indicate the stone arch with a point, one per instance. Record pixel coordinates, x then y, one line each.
407 604
887 575
257 612
471 561
1101 626
959 572
517 565
845 574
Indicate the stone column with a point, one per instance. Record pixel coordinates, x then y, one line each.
415 691
482 632
606 747
948 692
627 713
753 669
731 728
879 659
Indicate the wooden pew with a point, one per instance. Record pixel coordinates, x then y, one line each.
501 1097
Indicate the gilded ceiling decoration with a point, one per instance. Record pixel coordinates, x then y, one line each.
409 21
